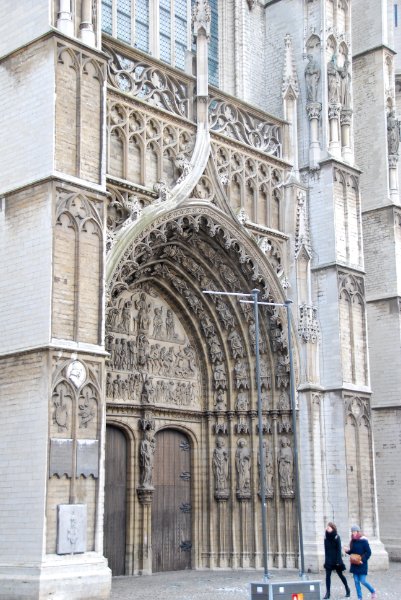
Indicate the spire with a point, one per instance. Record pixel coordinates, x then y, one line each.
290 79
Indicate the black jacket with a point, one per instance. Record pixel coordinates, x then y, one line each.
332 551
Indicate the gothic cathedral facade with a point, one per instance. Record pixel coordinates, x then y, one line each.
153 150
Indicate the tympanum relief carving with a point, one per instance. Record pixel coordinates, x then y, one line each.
151 359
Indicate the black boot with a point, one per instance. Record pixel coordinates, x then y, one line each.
327 596
347 592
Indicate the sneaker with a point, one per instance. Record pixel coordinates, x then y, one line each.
374 596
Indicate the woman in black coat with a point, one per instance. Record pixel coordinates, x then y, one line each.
332 558
360 545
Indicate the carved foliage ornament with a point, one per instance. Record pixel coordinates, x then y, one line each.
201 17
145 81
235 122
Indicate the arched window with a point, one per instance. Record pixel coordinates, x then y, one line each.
160 27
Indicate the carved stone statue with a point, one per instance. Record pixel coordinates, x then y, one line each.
345 84
312 77
148 391
269 469
220 377
157 321
243 467
170 330
237 348
147 452
333 79
393 133
220 470
143 309
126 317
286 468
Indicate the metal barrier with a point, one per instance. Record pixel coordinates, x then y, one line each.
286 590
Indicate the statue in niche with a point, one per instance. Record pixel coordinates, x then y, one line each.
60 414
181 363
123 354
241 375
147 453
157 321
207 325
116 354
225 314
220 400
252 336
333 79
345 84
117 387
237 349
112 318
85 413
126 317
283 401
109 385
269 468
131 351
242 401
393 133
243 466
265 378
148 391
312 77
191 358
216 353
170 327
286 467
143 316
220 469
283 370
220 377
142 345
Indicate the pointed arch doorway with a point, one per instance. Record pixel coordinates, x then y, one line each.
171 508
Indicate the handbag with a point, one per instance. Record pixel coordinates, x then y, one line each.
355 559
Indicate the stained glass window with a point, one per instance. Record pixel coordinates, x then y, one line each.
214 45
142 25
181 32
124 20
165 31
107 17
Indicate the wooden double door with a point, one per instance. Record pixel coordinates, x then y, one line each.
171 506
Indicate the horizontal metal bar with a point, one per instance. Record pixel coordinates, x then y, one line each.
225 293
264 303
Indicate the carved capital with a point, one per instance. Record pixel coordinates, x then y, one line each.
145 495
334 111
392 161
313 110
346 116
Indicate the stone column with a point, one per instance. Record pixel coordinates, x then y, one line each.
314 110
145 496
64 18
345 120
334 141
86 27
201 18
393 177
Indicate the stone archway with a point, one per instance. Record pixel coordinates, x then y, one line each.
178 356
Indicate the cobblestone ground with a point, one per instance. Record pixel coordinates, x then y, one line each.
234 585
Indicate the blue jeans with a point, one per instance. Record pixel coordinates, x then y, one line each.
362 579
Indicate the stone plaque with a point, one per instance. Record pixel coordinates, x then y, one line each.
60 462
88 458
71 528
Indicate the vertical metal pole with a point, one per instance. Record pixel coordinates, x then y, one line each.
294 429
255 294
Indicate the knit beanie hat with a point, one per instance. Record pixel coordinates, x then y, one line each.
355 528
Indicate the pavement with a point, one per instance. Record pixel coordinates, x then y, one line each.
235 585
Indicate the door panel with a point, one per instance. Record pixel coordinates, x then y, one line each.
171 509
115 499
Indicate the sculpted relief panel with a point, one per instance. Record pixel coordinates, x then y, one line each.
151 359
